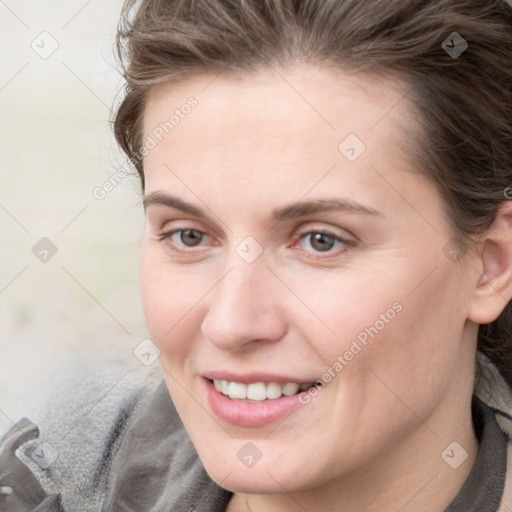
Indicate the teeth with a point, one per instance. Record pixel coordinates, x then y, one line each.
237 390
258 391
290 389
274 390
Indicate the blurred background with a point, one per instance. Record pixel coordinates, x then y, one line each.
69 296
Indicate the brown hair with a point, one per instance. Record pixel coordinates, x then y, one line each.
464 102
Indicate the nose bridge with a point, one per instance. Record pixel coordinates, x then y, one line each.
241 289
242 308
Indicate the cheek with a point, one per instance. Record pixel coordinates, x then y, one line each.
345 310
171 300
395 323
419 347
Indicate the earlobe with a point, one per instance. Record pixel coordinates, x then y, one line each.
493 289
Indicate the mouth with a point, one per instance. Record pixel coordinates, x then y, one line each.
258 391
257 402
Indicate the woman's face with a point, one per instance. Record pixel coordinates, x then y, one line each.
289 240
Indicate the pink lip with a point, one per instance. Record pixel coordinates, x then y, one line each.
246 414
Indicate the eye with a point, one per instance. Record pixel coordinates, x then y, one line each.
185 237
321 242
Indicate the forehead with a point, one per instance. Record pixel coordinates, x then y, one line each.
295 106
287 127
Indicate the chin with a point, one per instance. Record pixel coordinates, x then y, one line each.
250 480
265 476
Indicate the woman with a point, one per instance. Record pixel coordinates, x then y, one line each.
326 268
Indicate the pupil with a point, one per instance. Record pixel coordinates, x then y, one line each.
190 237
322 242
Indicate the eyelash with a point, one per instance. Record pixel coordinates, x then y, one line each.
166 237
346 243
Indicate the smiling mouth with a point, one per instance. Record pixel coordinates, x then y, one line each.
258 391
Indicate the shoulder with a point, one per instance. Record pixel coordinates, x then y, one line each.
157 467
114 442
62 463
497 394
493 390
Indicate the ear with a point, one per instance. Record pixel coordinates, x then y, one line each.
493 290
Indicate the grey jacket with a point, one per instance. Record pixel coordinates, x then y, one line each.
126 450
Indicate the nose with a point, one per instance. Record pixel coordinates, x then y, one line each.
244 308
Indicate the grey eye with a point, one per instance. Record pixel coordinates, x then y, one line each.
320 242
190 237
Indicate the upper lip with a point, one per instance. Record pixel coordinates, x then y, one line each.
252 377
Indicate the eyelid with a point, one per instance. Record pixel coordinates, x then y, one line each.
166 225
159 216
344 241
167 234
347 244
180 250
349 238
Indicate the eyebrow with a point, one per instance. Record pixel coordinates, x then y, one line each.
299 209
303 208
157 198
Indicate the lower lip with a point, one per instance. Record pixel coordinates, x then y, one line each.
247 414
